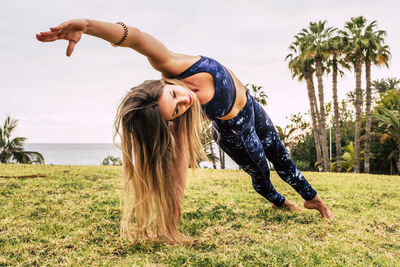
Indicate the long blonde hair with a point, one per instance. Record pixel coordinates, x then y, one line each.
149 148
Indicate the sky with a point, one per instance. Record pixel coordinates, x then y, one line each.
74 100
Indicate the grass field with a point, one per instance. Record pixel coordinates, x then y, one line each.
72 216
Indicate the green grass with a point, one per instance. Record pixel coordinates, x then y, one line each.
72 216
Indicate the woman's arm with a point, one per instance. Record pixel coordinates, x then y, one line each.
163 60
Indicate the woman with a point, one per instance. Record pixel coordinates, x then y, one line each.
159 122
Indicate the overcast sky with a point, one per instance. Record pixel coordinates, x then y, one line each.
61 99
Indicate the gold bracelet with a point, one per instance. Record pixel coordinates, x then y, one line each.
124 36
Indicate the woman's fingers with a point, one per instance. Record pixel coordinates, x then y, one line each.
46 33
47 37
59 27
70 48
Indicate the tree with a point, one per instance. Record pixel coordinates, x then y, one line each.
314 45
285 136
388 127
302 68
221 158
303 151
299 128
303 154
378 54
336 62
258 93
355 40
303 147
383 85
12 149
389 99
351 97
380 164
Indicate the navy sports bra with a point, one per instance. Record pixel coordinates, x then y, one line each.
225 90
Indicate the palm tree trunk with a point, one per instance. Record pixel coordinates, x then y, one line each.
398 165
324 141
221 158
357 69
391 167
318 131
311 98
336 110
213 156
367 140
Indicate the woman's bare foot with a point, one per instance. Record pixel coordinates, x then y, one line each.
318 204
288 206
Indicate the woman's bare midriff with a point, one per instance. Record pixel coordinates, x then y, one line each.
240 100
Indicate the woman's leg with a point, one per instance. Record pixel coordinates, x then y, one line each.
237 137
278 156
248 153
284 166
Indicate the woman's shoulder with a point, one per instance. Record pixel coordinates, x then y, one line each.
178 64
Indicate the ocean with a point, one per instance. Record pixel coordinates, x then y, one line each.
74 154
90 154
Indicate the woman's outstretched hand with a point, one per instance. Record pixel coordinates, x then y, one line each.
71 31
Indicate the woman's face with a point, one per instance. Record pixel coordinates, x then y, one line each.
174 101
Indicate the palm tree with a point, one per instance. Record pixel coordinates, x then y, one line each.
258 93
303 70
298 129
311 45
336 63
285 136
221 158
314 45
377 53
384 85
12 149
354 39
388 127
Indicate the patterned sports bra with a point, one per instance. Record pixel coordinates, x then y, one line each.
225 90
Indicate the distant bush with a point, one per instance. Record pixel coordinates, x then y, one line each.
303 165
112 161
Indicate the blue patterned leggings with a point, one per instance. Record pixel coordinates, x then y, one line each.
250 139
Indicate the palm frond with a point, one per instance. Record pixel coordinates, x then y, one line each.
13 148
28 157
